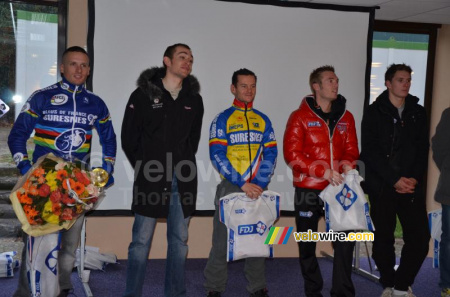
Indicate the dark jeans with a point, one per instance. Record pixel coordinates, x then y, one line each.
411 211
308 210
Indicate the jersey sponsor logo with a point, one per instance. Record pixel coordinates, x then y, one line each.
305 214
18 157
342 127
258 228
235 126
65 86
346 197
156 100
69 141
51 261
59 99
220 133
91 119
256 125
244 137
26 107
86 100
314 124
272 136
240 211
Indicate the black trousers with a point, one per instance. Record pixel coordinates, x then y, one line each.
308 210
411 210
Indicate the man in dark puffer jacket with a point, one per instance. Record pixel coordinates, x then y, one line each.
160 136
394 140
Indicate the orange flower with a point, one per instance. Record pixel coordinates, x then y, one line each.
26 185
71 182
41 179
24 199
33 191
31 213
61 174
38 172
78 188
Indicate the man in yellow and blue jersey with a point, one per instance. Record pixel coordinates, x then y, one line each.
243 149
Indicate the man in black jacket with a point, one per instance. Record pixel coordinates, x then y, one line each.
160 136
394 140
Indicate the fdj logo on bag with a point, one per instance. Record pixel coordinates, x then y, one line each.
346 197
258 228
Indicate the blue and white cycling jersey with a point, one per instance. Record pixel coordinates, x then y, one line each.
63 117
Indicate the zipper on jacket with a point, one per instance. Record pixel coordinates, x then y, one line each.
249 145
329 132
394 122
74 120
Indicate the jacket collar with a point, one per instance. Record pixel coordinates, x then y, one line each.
337 106
149 82
66 85
241 105
386 105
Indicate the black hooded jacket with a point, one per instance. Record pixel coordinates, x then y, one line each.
393 147
160 137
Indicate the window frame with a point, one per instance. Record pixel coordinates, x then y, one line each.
417 28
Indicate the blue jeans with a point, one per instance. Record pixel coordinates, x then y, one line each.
177 249
444 247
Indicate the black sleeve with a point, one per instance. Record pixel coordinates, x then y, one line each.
197 127
423 147
440 143
132 127
371 154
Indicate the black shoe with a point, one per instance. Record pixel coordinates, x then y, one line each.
213 294
65 293
260 293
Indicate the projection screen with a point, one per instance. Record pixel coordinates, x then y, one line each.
282 42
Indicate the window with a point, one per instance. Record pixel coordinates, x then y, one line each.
410 43
392 47
31 36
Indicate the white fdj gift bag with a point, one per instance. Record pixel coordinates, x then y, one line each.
248 222
42 264
346 207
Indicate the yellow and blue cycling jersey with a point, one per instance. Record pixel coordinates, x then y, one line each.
242 145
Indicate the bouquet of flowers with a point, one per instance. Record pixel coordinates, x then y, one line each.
53 194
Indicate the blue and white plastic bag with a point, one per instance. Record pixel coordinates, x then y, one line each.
248 222
346 207
42 264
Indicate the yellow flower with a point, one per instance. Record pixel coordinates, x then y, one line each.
51 180
48 215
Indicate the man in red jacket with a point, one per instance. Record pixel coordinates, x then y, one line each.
320 143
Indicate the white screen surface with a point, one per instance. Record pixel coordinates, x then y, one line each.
282 45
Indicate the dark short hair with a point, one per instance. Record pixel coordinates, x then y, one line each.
242 71
74 49
316 75
393 68
170 50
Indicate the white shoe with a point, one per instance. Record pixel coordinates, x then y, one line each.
408 293
387 292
